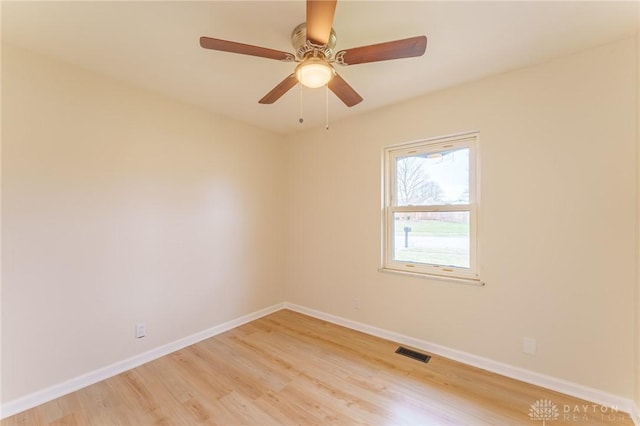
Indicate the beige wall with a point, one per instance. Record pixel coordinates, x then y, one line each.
120 206
558 170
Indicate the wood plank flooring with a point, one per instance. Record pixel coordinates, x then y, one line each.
288 368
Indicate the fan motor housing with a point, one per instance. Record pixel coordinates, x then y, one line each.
304 48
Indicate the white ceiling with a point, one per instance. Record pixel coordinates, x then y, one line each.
154 45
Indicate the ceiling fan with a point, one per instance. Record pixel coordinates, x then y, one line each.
313 42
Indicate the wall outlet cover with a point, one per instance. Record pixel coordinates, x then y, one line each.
529 345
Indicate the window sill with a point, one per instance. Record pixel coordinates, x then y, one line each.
468 281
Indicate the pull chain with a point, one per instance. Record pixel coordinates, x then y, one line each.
327 106
300 120
326 100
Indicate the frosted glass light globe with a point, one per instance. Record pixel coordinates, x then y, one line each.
314 72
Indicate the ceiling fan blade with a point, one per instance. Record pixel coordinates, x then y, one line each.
276 93
244 49
343 91
406 48
319 20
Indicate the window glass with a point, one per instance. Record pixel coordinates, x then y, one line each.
436 178
437 238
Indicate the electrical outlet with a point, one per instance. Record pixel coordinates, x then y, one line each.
141 330
529 345
356 303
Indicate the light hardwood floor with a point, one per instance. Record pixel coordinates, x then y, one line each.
288 368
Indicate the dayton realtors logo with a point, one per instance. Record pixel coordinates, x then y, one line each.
545 410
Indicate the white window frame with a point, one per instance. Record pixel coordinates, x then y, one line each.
432 145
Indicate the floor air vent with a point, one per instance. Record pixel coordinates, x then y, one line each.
413 354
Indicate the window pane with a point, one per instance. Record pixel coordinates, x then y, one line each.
436 238
435 178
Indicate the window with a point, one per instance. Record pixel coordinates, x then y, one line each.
431 198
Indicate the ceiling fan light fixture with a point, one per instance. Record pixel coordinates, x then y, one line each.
314 72
314 50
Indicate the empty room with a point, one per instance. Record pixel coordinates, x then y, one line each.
320 213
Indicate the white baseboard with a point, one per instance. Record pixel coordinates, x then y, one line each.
61 389
553 383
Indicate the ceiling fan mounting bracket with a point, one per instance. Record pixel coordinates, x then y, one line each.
305 48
